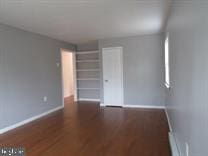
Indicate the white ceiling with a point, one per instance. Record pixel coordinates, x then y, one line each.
80 21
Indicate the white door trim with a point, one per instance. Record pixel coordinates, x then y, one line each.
75 75
122 85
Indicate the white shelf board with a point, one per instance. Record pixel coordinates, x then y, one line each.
85 70
86 99
87 52
80 61
86 79
88 88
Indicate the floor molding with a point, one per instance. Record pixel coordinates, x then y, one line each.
144 106
110 105
102 105
173 145
6 129
168 118
139 106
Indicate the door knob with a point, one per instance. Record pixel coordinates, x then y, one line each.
106 80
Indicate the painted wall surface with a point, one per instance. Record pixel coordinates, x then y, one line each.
88 46
67 73
143 69
187 101
28 72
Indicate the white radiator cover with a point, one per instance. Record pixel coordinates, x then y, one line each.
173 145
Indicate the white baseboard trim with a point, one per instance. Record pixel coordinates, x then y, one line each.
144 106
173 145
138 106
102 105
85 99
168 118
6 129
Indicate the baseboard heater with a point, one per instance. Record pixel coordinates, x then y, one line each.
173 145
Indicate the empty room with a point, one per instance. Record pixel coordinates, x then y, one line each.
103 77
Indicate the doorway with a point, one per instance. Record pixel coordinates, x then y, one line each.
113 76
68 75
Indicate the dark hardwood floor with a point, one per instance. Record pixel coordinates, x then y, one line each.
85 129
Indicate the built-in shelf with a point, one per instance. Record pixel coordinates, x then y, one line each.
88 88
81 61
87 52
86 70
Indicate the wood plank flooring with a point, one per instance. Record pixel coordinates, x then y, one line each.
85 129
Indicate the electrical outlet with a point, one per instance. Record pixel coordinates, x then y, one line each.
45 98
187 149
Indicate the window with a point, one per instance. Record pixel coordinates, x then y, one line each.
167 68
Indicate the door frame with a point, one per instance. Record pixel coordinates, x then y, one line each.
74 73
122 83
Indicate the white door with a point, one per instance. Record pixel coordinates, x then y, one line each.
113 76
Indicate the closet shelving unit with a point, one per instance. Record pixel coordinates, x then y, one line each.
88 75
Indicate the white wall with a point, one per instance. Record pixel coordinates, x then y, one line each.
67 73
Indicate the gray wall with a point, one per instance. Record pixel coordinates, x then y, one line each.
143 68
187 101
88 46
28 72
